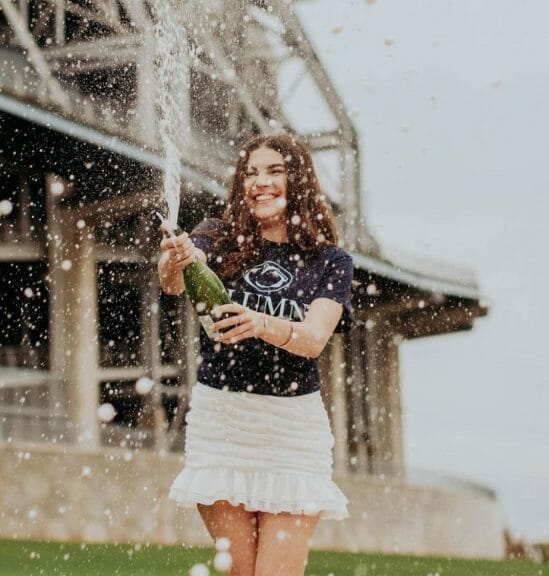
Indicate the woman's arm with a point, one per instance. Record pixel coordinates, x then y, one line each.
177 252
307 338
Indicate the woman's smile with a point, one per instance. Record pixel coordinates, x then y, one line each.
263 197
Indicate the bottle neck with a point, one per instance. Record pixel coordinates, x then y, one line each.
195 266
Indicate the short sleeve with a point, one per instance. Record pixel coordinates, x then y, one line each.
335 284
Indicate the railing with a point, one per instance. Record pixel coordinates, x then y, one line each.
32 407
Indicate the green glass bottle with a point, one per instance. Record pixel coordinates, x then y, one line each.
205 291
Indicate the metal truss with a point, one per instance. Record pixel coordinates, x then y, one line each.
240 43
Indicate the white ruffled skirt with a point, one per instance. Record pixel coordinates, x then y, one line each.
269 453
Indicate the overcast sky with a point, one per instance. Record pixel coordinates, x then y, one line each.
451 102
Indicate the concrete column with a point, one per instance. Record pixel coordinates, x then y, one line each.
355 390
82 337
152 358
337 411
56 245
394 406
383 401
56 254
189 331
326 372
192 345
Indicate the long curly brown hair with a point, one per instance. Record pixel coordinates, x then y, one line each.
309 219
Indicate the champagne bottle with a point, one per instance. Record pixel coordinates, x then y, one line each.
205 291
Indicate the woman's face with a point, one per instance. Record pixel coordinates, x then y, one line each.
265 185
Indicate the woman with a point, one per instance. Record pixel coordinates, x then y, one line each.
258 447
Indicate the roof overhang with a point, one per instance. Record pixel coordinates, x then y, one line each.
409 275
459 284
103 141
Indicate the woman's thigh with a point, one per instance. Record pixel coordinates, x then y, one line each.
283 544
233 522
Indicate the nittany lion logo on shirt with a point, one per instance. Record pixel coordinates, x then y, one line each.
268 277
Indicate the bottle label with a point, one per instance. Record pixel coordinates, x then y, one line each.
207 323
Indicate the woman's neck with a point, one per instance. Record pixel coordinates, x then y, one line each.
275 232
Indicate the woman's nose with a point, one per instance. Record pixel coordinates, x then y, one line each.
263 179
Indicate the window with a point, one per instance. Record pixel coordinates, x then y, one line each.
24 198
24 314
120 310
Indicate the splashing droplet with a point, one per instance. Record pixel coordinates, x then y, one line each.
222 561
6 207
222 544
199 570
106 412
144 385
57 188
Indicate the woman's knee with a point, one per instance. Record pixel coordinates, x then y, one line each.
237 525
283 545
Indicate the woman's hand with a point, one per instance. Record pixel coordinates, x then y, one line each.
177 251
243 323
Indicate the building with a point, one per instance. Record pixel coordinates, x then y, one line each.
82 316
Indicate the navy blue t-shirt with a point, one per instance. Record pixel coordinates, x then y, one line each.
283 285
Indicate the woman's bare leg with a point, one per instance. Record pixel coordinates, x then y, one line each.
240 527
283 544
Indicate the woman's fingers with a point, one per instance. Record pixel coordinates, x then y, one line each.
184 261
242 323
179 250
180 243
240 332
179 258
233 320
233 308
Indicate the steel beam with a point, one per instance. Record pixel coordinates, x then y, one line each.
34 54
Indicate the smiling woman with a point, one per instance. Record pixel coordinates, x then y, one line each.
261 475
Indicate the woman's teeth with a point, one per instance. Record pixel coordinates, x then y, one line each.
263 197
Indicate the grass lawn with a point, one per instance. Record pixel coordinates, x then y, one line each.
30 558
